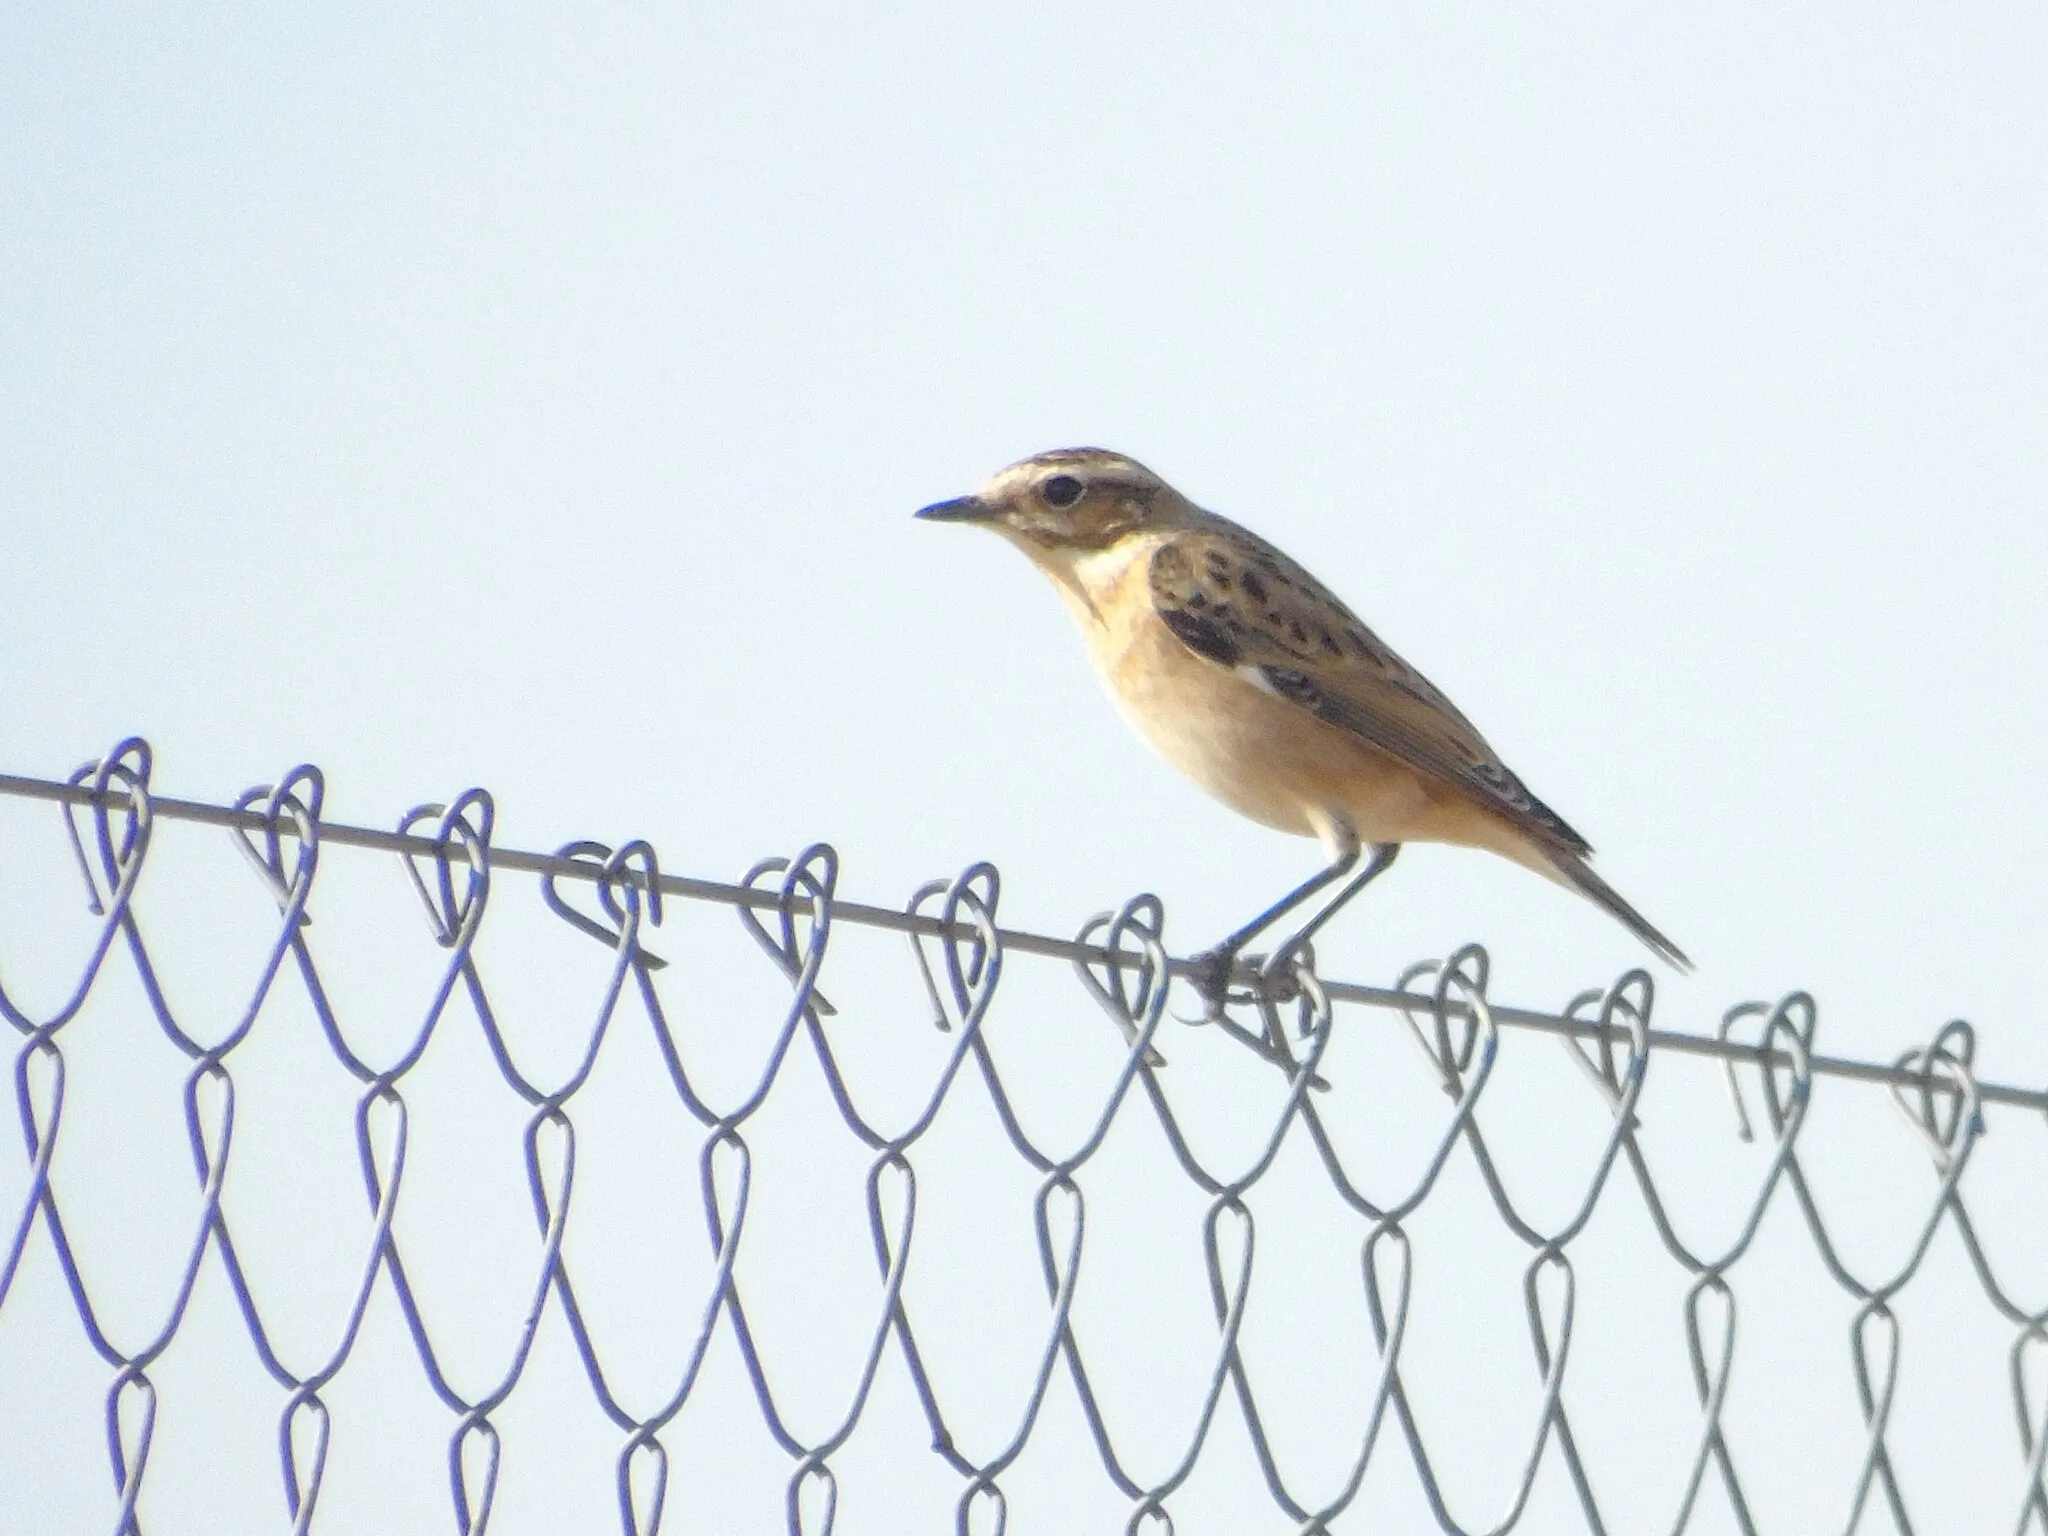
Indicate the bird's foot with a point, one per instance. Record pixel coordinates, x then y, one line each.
1279 978
1211 973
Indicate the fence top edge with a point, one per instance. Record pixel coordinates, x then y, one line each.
691 888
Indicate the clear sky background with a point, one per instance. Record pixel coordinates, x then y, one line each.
538 400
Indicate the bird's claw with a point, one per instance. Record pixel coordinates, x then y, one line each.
1279 982
1274 981
1210 975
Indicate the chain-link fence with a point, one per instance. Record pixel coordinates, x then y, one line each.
875 1248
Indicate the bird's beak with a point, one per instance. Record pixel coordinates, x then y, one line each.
961 509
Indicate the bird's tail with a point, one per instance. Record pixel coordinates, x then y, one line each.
1572 871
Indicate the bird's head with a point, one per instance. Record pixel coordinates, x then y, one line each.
1068 501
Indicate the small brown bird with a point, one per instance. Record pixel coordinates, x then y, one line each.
1251 678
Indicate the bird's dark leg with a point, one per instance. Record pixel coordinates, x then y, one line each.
1213 967
1283 958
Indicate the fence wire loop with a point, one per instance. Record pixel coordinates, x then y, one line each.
789 909
301 1496
454 917
973 956
1788 1027
609 869
127 766
803 899
1132 993
1624 1011
1941 1094
2033 1424
283 805
1456 1012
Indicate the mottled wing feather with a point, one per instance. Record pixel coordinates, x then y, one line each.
1233 599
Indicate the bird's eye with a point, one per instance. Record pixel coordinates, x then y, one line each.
1061 490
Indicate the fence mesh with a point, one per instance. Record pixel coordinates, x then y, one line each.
1236 1140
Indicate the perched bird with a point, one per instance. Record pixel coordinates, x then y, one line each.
1246 674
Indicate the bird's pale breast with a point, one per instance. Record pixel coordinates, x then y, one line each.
1261 755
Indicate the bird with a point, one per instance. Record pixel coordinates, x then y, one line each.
1249 675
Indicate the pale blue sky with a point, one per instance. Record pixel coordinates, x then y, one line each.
538 400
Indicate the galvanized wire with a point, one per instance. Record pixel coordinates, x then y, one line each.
791 907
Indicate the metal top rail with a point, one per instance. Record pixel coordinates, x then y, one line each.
558 866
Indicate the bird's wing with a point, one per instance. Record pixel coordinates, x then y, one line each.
1235 600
